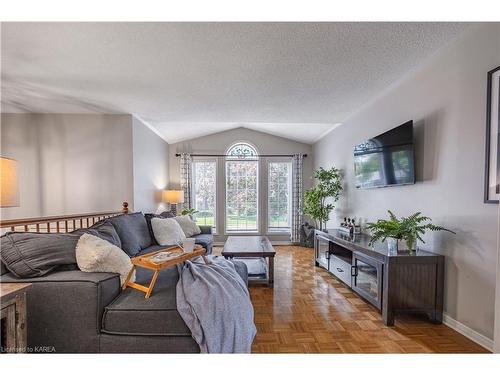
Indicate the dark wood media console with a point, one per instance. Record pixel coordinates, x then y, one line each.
405 282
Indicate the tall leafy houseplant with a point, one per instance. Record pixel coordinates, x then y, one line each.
328 186
409 229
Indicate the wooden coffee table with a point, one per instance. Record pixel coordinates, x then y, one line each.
251 247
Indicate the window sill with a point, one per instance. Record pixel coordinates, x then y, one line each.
277 231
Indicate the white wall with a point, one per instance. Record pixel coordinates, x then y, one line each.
219 143
446 98
150 168
69 163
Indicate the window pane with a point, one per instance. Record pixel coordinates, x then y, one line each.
242 151
279 196
204 191
241 196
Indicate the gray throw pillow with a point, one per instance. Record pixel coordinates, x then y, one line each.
133 232
148 218
35 254
3 269
104 230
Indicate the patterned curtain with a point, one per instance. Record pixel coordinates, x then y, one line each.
185 165
297 195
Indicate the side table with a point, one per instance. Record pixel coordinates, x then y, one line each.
13 317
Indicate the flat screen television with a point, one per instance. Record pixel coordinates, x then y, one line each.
386 160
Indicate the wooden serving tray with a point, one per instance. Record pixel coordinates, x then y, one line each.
144 261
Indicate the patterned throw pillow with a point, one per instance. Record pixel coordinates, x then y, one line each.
167 231
189 227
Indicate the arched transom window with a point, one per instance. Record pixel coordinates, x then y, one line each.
242 151
242 181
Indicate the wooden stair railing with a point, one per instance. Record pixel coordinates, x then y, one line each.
59 224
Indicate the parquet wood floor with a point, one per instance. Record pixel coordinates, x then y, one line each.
309 311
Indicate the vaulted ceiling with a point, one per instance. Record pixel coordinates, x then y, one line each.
295 80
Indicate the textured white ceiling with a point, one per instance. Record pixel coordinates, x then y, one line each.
295 80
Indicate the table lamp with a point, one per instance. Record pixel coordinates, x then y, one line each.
9 188
173 198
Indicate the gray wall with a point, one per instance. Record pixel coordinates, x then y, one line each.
446 98
76 163
219 143
150 168
69 163
497 299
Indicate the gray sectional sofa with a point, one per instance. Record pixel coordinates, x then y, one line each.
79 312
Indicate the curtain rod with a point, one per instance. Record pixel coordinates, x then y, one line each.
261 155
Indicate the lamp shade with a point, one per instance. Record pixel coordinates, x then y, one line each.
9 189
173 196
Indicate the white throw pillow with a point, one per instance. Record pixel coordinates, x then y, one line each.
167 231
93 254
189 227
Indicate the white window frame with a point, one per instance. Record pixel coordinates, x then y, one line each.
253 159
193 190
269 229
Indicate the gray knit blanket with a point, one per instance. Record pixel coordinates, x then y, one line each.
214 302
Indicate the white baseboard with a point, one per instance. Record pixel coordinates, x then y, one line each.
468 332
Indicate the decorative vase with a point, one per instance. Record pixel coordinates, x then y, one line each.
402 246
392 245
411 245
405 245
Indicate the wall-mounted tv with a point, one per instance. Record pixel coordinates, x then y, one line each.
386 160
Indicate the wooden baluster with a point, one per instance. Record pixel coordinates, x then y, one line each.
48 227
81 223
66 225
26 228
125 207
12 229
74 224
88 225
38 227
57 227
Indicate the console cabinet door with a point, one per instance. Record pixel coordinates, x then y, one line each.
367 279
322 251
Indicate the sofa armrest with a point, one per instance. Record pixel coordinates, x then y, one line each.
206 229
65 309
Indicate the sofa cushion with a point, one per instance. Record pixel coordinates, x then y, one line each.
132 314
104 230
205 240
3 269
133 232
148 218
28 254
167 215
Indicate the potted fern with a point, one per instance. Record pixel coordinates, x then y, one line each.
402 234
